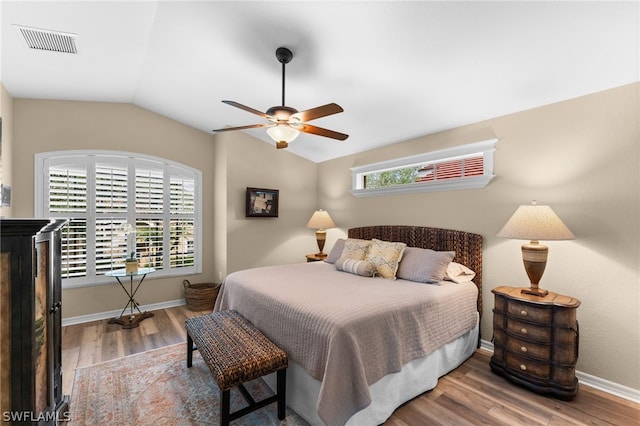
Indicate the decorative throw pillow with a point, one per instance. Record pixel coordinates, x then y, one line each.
355 249
424 265
358 267
459 273
336 251
385 256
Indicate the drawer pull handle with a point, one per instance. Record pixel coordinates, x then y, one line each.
523 367
523 330
523 349
523 313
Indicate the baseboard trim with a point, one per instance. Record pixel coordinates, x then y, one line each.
111 314
607 386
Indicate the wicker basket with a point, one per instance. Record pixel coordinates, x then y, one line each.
200 297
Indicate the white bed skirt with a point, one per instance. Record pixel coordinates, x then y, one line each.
389 392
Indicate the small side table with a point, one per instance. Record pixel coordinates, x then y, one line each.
535 341
315 258
133 319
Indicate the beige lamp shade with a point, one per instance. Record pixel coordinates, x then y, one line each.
535 223
321 221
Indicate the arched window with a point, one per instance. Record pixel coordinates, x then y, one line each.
120 203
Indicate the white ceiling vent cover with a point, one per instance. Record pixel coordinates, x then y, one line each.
53 41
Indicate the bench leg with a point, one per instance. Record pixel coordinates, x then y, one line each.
189 351
281 386
225 404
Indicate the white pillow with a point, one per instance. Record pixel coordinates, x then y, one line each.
459 273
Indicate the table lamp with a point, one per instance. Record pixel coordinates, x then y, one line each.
535 222
321 221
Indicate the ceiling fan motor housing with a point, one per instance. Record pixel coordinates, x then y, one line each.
281 113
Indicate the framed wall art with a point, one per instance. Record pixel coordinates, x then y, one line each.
262 202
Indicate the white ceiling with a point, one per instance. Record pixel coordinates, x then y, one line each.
399 69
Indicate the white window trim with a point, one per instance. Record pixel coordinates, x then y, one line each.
41 194
486 148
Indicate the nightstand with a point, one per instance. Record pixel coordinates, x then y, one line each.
536 341
315 258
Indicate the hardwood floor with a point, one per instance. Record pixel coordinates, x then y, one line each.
469 395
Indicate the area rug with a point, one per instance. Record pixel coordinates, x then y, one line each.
157 388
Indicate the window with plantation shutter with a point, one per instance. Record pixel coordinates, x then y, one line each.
463 167
118 204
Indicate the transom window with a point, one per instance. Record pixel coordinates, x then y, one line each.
466 166
118 205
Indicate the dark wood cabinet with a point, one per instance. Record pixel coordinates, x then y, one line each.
536 341
30 323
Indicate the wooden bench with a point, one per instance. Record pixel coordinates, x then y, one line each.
236 352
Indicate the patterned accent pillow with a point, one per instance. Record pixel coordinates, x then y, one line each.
424 265
358 267
336 251
385 256
356 249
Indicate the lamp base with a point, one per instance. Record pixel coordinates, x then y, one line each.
321 255
535 291
534 257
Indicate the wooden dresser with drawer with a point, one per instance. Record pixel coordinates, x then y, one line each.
536 341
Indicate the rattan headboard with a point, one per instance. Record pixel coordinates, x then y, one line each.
468 246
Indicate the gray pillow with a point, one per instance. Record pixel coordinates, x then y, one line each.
336 251
424 265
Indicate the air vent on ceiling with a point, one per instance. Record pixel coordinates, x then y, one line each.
53 41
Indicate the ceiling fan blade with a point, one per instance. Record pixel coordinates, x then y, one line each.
317 112
246 108
250 126
308 128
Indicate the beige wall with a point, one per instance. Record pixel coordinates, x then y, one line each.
582 157
6 112
253 242
42 126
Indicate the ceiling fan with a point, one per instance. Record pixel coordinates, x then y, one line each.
286 123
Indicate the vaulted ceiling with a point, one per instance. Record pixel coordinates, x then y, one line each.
399 69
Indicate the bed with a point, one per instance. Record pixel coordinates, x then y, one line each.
358 346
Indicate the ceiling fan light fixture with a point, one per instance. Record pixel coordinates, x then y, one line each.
282 133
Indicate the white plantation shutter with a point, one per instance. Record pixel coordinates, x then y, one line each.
182 242
149 190
150 242
68 197
74 249
111 187
67 189
150 218
106 194
111 245
181 232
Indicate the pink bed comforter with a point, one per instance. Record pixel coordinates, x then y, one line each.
348 331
